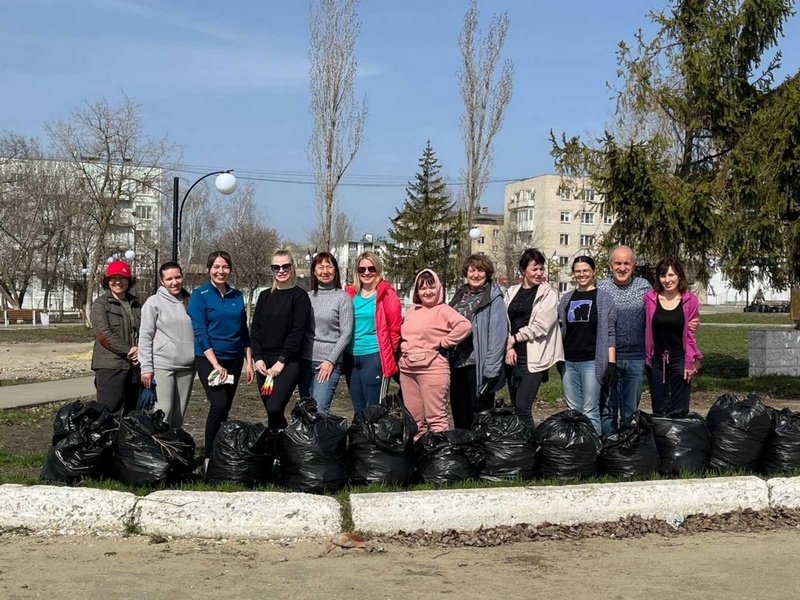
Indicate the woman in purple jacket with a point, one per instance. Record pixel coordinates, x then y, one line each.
671 352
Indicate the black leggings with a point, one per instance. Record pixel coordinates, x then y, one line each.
523 387
669 391
464 400
283 387
220 397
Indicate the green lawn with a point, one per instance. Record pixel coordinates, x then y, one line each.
749 318
61 335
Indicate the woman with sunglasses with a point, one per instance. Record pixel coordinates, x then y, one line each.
278 332
221 341
370 356
329 331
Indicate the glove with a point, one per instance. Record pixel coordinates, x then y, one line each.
447 353
488 384
611 374
147 398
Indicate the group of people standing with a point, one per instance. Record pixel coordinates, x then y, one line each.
604 338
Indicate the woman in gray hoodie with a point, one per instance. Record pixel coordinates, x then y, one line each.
166 345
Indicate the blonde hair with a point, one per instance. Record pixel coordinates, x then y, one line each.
376 261
292 273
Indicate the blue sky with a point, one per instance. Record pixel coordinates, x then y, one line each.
228 82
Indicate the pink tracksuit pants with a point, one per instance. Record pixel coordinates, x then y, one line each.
424 394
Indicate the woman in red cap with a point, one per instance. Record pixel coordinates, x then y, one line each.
115 359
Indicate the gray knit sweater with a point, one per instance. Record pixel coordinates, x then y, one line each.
629 300
330 326
166 337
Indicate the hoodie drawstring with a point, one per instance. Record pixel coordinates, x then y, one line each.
664 366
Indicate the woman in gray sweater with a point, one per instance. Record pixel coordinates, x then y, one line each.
329 331
166 345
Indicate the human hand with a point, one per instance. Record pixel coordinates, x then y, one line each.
223 373
511 357
261 367
693 324
147 379
249 373
275 369
688 374
133 355
611 374
324 371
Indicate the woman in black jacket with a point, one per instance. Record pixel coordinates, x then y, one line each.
277 335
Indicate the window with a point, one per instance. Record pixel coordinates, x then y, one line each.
563 287
563 261
587 218
481 240
564 193
587 194
563 239
566 216
608 220
495 232
143 211
587 240
494 248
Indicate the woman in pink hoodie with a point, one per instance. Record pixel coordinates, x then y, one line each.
430 327
671 354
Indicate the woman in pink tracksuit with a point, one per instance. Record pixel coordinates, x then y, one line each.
429 327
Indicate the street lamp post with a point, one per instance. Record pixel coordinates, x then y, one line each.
225 184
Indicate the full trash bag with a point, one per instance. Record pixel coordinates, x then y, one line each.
683 442
83 440
311 450
567 446
632 451
506 442
447 456
150 452
381 444
242 453
782 451
739 429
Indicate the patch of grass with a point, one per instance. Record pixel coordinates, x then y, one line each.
748 318
60 335
28 416
21 467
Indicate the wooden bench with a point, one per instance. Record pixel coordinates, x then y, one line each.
19 314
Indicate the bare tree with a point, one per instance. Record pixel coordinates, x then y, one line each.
485 99
338 121
343 231
110 158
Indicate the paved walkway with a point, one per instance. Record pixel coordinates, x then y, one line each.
29 394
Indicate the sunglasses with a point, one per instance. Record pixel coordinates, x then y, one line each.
285 267
363 270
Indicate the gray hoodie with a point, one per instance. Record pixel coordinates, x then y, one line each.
166 338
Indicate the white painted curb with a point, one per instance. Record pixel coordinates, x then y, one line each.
64 510
469 509
784 492
238 515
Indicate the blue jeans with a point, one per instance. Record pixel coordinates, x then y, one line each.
364 377
311 388
582 390
618 403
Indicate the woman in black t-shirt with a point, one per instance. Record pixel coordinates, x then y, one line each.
588 319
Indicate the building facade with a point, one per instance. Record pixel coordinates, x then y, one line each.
347 253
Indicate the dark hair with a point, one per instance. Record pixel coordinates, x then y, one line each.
584 259
167 266
318 258
219 254
424 278
661 269
104 281
531 255
479 262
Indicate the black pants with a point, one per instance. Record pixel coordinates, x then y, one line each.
283 387
669 391
220 397
464 399
118 389
523 387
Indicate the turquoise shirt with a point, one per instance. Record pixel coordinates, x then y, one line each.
365 339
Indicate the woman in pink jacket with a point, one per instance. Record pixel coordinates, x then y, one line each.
430 327
671 354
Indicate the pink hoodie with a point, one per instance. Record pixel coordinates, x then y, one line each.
439 326
691 310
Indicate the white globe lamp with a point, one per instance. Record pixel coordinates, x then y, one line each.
225 183
130 255
475 233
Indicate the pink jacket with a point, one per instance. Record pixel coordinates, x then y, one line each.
388 317
691 310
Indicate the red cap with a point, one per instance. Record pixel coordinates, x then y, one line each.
118 267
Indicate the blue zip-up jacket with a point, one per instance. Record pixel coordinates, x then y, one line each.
219 322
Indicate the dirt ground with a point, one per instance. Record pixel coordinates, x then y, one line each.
709 565
23 361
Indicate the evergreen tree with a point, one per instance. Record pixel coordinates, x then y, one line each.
426 232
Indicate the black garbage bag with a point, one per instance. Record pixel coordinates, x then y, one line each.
683 442
242 453
739 429
312 450
632 451
506 442
782 451
150 452
447 456
83 440
567 446
381 444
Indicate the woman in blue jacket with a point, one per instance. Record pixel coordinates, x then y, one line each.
221 341
477 362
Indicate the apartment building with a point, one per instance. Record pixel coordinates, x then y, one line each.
491 238
347 253
562 218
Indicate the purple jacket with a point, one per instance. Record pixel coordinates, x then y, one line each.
691 310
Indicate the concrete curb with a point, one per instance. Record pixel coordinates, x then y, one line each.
470 509
784 492
238 515
65 510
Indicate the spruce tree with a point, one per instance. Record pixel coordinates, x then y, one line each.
426 231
